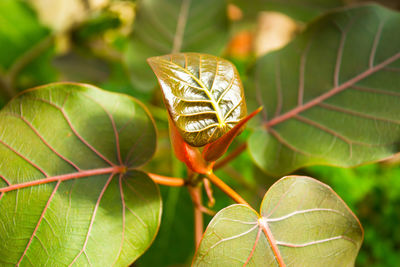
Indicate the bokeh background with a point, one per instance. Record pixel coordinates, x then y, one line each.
101 42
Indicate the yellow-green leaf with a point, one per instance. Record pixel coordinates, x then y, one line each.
302 222
70 191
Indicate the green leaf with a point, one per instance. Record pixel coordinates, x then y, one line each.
332 95
203 94
302 222
22 40
304 10
19 31
163 27
53 134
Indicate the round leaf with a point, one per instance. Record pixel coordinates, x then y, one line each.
52 134
302 222
332 95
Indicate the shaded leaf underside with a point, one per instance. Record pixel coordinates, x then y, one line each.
332 94
203 94
302 223
62 131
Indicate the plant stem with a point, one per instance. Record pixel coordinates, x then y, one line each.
195 194
226 189
164 180
209 192
231 156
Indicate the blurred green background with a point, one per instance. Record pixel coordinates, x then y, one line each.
105 43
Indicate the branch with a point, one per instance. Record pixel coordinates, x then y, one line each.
169 181
209 192
226 189
231 156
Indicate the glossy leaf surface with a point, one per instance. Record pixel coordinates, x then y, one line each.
203 94
164 27
302 222
346 114
110 215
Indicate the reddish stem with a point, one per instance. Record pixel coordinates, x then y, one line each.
195 194
226 189
231 156
164 180
209 192
69 176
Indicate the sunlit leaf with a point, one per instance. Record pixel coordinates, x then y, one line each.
332 95
163 27
302 222
110 215
203 94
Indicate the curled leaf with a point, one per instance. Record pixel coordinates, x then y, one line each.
217 149
203 94
189 155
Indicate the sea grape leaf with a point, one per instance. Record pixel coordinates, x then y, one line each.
332 94
203 94
163 27
304 10
302 222
111 214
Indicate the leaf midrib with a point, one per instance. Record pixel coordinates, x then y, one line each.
113 169
291 113
220 117
64 177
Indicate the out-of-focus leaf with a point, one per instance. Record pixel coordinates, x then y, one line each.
163 27
332 95
96 26
110 215
203 95
19 31
304 10
40 70
302 222
77 66
22 39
